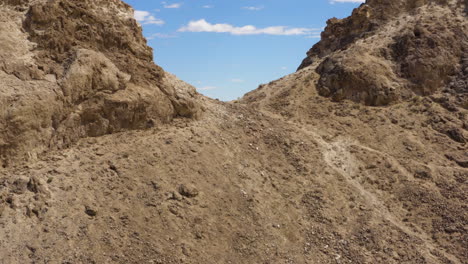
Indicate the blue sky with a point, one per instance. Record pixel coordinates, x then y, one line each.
226 48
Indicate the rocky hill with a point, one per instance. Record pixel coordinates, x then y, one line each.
358 157
72 69
392 50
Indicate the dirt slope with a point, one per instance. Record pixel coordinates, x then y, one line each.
284 175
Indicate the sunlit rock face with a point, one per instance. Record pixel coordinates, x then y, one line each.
391 50
71 69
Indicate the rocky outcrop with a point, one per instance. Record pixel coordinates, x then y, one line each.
72 69
390 50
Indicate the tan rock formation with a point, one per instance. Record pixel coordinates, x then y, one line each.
73 69
390 50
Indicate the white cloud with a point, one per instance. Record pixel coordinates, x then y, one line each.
203 26
253 8
313 36
237 80
145 17
347 1
208 6
284 68
161 36
207 88
174 5
140 15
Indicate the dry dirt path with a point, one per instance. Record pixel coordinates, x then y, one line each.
338 156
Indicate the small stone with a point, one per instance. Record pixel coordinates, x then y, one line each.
112 167
422 174
155 185
90 211
175 196
451 229
193 149
198 235
174 210
188 191
37 185
20 185
31 248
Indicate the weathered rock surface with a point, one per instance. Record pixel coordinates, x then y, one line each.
71 69
391 50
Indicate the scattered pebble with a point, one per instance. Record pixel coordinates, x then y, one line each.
188 191
90 211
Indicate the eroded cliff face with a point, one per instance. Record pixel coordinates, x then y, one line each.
391 50
71 69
